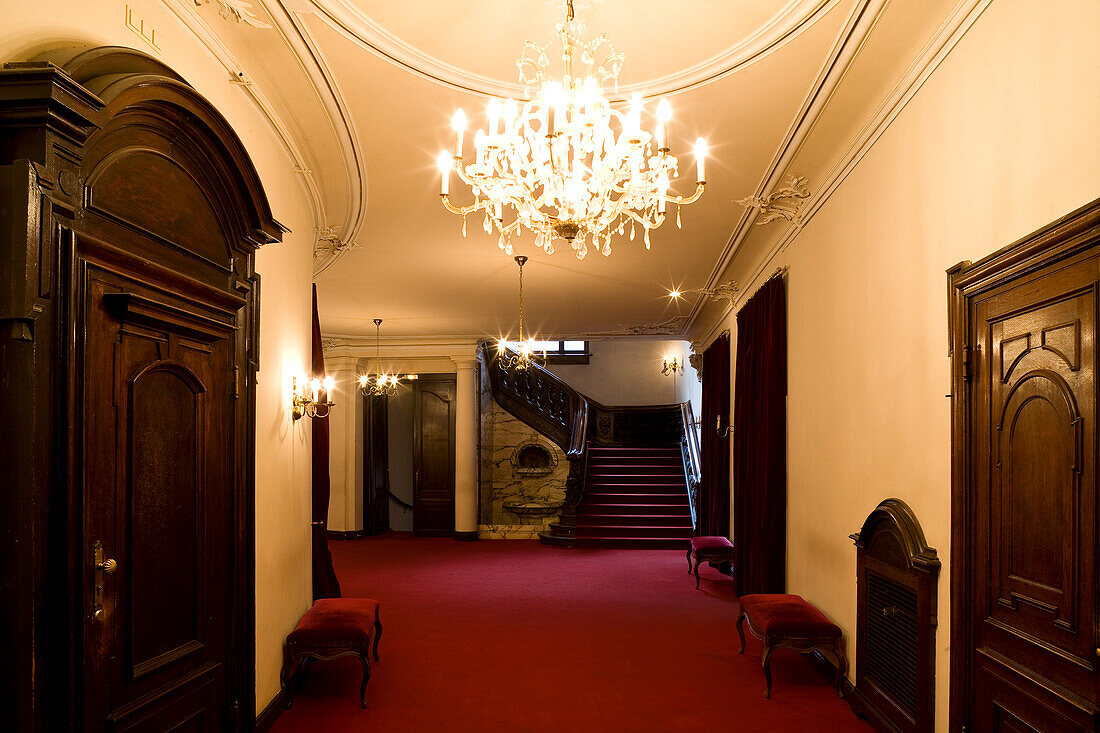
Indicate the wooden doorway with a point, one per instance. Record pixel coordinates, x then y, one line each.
376 465
434 456
1026 655
133 251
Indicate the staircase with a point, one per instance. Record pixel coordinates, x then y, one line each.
634 497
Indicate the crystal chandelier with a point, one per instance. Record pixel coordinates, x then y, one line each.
556 165
520 355
380 384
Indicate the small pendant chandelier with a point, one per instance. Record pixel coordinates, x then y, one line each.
518 356
380 384
557 166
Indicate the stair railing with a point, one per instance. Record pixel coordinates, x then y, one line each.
544 402
693 464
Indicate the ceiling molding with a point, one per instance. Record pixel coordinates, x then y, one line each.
349 20
193 21
954 27
856 27
289 24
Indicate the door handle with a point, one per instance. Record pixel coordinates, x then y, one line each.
102 566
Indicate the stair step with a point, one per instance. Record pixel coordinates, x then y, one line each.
635 520
632 543
639 450
635 481
633 530
635 468
595 507
637 497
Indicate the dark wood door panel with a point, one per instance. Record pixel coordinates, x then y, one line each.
1012 702
1025 510
157 458
1035 480
434 456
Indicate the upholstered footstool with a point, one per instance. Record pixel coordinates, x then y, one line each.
788 621
708 549
332 628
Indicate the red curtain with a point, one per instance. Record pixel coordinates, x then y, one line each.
713 509
325 584
760 442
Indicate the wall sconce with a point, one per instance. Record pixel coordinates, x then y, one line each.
307 397
672 365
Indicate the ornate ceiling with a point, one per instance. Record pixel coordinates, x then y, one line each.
361 93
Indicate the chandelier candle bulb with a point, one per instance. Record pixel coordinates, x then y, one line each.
445 172
701 160
458 124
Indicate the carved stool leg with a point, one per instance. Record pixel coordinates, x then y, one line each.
377 635
366 676
689 561
696 571
767 670
741 631
841 666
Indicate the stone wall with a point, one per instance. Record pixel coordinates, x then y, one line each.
522 471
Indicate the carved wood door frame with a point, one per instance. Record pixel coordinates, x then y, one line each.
1071 240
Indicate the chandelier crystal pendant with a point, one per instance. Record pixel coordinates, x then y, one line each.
518 356
565 164
380 384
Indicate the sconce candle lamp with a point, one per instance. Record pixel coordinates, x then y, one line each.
308 397
671 365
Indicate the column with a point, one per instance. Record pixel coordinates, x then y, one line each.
345 506
466 449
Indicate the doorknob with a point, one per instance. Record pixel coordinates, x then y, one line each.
102 566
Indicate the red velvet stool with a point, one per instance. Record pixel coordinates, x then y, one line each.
791 622
332 628
709 549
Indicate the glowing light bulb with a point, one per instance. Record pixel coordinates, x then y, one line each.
493 113
664 111
674 293
444 162
458 124
700 160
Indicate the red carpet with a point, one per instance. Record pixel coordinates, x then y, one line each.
516 636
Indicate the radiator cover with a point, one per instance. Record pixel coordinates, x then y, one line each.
896 621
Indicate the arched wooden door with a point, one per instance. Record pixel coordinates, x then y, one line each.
145 213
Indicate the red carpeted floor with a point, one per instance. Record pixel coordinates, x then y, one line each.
516 636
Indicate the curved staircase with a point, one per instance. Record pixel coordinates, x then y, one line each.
633 471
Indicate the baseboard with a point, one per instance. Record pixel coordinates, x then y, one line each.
856 701
267 717
349 534
465 536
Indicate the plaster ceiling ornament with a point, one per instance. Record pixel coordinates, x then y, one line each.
726 291
330 243
784 202
238 10
667 327
555 164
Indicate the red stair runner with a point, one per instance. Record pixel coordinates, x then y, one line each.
634 497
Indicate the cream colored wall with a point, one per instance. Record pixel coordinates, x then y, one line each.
283 579
628 372
1000 140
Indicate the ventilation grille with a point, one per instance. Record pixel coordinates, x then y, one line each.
891 651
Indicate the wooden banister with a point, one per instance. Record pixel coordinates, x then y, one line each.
693 464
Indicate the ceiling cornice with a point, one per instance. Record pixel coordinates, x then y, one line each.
288 23
349 20
954 27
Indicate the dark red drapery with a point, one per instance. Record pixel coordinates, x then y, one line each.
325 584
760 442
713 510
